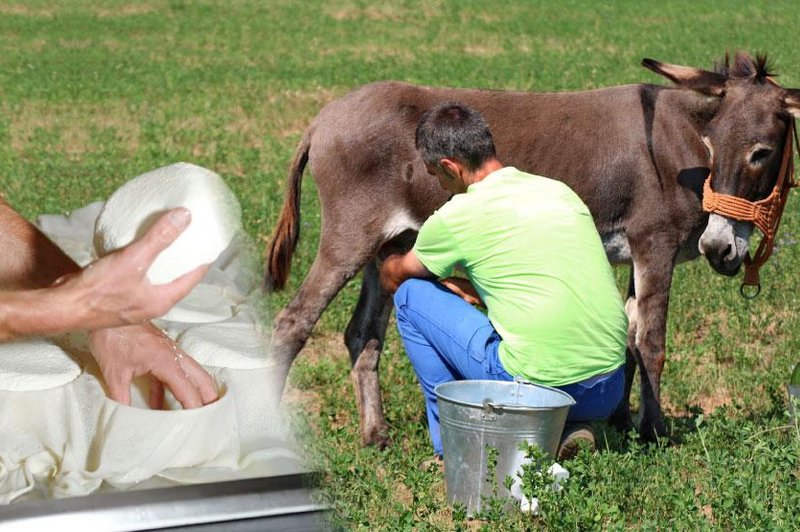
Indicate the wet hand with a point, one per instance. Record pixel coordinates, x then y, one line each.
124 353
115 290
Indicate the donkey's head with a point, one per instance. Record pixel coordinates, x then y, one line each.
745 141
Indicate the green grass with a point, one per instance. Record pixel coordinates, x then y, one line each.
92 94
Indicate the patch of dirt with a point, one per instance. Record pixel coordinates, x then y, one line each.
717 320
308 402
484 50
488 18
318 347
75 44
73 126
370 52
193 122
706 402
710 402
27 11
138 8
403 493
324 345
37 45
284 114
555 44
707 509
380 12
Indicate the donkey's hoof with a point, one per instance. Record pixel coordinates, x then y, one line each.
379 437
652 431
622 420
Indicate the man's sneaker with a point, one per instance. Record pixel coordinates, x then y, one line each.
572 439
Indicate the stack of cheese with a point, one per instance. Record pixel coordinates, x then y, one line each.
63 437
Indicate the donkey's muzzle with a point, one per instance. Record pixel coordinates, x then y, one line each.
725 244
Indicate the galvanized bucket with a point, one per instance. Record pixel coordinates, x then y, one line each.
794 401
474 414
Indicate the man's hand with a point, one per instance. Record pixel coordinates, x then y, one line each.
115 290
116 287
110 292
463 288
124 353
397 268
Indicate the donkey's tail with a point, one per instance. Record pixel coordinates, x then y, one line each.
284 239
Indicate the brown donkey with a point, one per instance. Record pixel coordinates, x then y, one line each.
638 155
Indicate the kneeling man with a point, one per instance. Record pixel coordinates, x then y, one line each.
533 259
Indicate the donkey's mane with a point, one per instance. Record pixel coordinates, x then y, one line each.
744 67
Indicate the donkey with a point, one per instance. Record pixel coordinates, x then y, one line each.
638 156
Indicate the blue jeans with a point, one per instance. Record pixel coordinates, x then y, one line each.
448 339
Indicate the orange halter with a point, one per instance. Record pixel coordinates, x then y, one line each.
765 214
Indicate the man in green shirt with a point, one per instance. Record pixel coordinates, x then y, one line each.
532 257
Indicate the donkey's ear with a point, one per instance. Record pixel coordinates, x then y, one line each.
792 101
695 79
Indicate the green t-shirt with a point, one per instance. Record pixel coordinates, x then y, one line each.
531 249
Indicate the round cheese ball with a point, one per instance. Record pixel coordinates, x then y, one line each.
135 206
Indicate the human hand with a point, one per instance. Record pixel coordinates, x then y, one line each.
115 290
124 353
463 288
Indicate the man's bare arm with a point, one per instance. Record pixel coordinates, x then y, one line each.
111 292
397 268
400 267
28 258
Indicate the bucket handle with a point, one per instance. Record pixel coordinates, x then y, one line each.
490 409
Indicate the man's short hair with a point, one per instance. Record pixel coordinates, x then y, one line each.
452 130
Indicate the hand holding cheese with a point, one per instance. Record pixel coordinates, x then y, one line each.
132 209
110 292
116 290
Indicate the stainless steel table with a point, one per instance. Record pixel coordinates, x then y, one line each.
269 503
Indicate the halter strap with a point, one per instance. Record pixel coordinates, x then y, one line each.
765 214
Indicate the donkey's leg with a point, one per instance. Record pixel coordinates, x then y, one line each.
652 277
621 418
364 337
292 327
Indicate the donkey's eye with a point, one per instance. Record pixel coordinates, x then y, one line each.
758 155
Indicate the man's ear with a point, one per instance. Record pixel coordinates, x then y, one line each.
452 168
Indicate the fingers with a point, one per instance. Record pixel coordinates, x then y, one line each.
191 385
200 379
119 387
156 393
168 295
177 289
160 235
125 352
182 388
188 381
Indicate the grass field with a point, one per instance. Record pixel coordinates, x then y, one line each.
94 93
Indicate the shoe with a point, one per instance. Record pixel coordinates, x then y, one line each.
573 438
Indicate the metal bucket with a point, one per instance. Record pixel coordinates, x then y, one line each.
474 414
794 401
